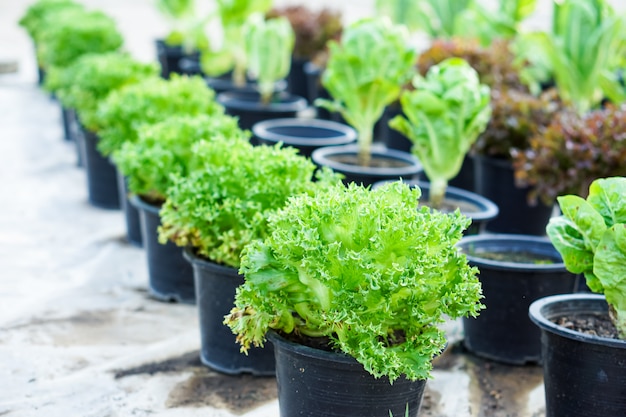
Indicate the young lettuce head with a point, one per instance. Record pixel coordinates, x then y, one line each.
370 270
444 115
365 73
591 237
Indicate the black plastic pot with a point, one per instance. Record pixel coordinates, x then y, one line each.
101 173
169 58
66 120
502 331
225 83
215 297
584 375
170 275
131 214
317 383
74 132
304 134
495 181
408 167
472 205
296 80
247 106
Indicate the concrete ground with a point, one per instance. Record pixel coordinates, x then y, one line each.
79 335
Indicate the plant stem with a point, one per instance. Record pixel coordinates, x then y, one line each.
365 145
437 192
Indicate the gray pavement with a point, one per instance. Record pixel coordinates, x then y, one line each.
79 335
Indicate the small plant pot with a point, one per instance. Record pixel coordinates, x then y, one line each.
296 80
304 134
314 383
215 296
225 83
102 186
66 119
247 106
387 164
503 332
479 209
169 58
494 179
170 276
584 375
131 213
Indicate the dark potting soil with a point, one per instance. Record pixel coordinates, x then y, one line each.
449 205
522 257
375 162
591 324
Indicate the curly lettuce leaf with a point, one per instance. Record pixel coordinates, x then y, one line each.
369 269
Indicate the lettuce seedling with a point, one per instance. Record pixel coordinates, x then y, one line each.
590 235
85 83
365 73
148 102
165 149
269 44
444 115
224 203
371 270
75 32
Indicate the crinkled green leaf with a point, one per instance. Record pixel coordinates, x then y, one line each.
609 265
369 269
41 13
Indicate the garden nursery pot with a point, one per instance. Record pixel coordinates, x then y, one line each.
131 213
101 173
584 375
317 383
392 164
304 134
169 58
247 106
502 331
215 296
170 275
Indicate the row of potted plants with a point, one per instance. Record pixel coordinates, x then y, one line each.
203 211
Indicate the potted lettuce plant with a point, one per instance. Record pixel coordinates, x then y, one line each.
268 47
161 151
350 285
81 87
584 335
361 88
216 210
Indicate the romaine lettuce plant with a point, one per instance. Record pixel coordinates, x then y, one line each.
224 203
366 72
443 116
269 44
233 15
165 149
571 152
370 270
591 237
151 101
85 83
75 32
502 22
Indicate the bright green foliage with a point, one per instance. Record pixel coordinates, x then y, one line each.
85 83
165 149
148 102
369 269
176 9
188 27
233 15
591 237
586 41
41 14
225 202
269 44
445 113
365 73
502 23
74 33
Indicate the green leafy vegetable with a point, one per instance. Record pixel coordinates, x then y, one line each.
166 149
368 269
269 44
438 18
443 117
150 101
188 25
37 15
365 73
502 22
591 237
75 32
85 83
225 201
571 152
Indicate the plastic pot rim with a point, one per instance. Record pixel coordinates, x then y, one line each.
345 134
